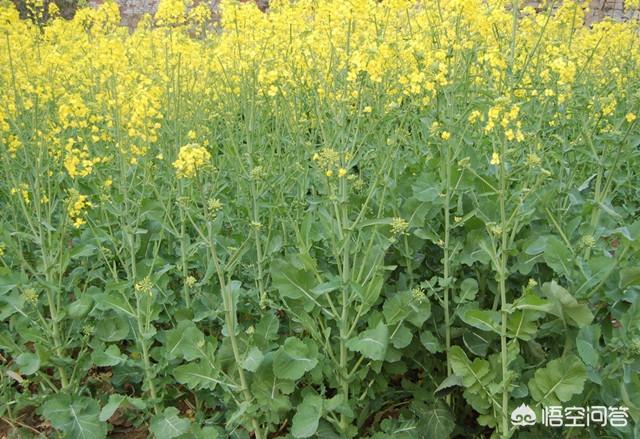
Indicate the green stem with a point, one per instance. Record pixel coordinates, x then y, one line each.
502 279
344 323
230 320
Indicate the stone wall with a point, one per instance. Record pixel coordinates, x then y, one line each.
132 10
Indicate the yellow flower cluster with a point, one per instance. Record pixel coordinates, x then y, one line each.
23 191
77 161
191 158
331 162
94 90
77 205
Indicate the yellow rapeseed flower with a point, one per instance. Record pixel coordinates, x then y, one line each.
191 159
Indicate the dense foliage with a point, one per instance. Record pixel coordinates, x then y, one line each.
388 219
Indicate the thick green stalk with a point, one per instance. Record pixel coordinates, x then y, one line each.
447 257
259 255
183 257
230 320
344 323
502 279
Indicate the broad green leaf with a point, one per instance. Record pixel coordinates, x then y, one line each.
371 343
305 421
532 302
81 307
28 363
401 337
522 325
116 401
197 375
253 359
558 256
560 380
185 341
108 357
266 330
629 276
396 308
114 301
485 320
326 287
8 280
436 421
294 358
447 384
477 377
587 343
75 416
113 328
471 373
430 342
371 291
565 306
292 282
468 291
168 424
420 312
478 341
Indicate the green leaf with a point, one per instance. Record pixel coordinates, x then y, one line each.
75 416
447 384
116 401
28 363
561 379
8 281
253 359
565 306
294 358
397 307
522 325
477 377
436 421
533 303
114 301
401 337
420 312
185 341
292 282
307 417
558 256
478 342
587 343
266 330
371 343
113 328
197 375
168 424
468 291
108 357
430 342
629 276
371 291
326 287
81 307
485 320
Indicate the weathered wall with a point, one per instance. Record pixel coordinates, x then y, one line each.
132 10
